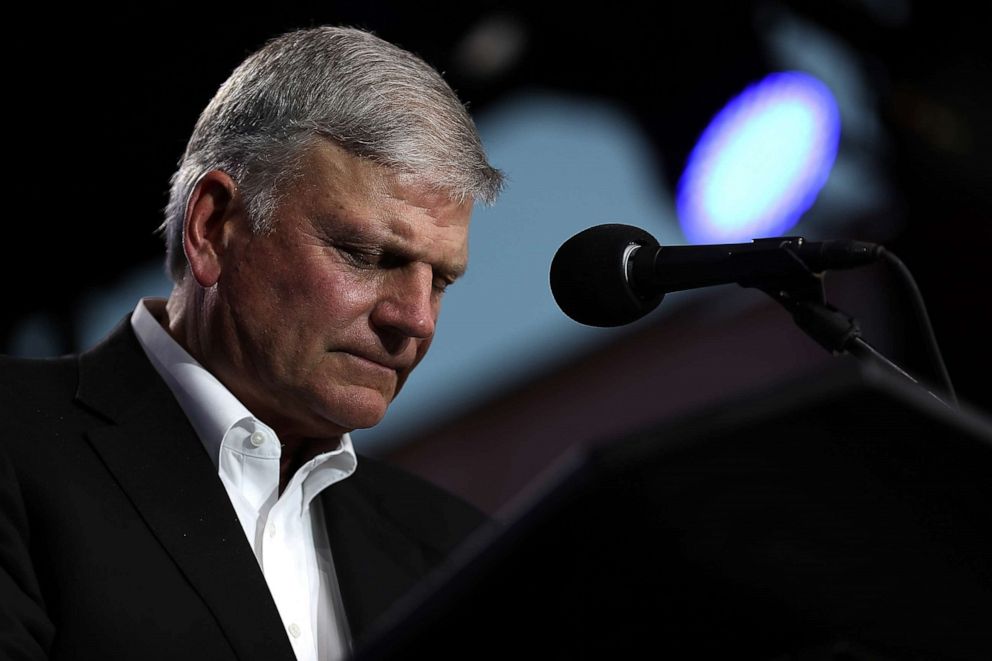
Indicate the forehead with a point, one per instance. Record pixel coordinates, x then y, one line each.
332 182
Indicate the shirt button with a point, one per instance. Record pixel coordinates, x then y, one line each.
272 530
294 630
257 439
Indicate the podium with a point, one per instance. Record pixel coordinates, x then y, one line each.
846 515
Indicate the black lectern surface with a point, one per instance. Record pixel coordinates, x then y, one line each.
846 516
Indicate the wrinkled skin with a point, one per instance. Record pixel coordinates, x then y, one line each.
316 325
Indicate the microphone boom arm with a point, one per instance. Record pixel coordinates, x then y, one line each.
803 295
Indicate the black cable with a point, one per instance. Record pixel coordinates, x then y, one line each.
923 319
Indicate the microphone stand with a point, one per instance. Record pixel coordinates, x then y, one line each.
801 292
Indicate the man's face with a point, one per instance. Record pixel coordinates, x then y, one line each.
316 325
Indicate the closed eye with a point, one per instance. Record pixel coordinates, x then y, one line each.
373 258
361 257
441 285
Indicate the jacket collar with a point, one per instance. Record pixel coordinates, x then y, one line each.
160 463
156 457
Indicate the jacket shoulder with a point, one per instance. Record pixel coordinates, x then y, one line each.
33 390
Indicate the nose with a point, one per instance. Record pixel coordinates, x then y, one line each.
407 306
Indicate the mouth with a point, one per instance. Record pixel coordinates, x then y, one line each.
378 363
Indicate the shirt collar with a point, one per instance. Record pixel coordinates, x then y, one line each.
211 408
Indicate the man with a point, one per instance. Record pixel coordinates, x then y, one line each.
188 488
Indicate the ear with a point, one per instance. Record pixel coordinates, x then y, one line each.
213 214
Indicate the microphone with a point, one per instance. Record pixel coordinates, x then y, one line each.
611 275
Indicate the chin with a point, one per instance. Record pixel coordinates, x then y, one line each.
365 409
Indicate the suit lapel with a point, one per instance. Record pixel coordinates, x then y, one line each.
375 560
160 464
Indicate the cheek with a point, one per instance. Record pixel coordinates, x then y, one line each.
337 302
321 297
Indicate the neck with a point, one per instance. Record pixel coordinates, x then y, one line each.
184 319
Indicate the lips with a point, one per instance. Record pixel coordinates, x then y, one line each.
384 363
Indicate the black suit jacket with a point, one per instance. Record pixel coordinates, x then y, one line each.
117 538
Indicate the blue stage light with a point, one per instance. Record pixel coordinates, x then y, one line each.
761 162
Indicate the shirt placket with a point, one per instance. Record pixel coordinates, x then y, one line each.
284 563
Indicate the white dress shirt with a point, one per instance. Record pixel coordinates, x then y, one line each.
287 532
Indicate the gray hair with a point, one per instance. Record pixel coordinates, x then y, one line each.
372 98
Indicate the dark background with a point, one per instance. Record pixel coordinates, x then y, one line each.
100 104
